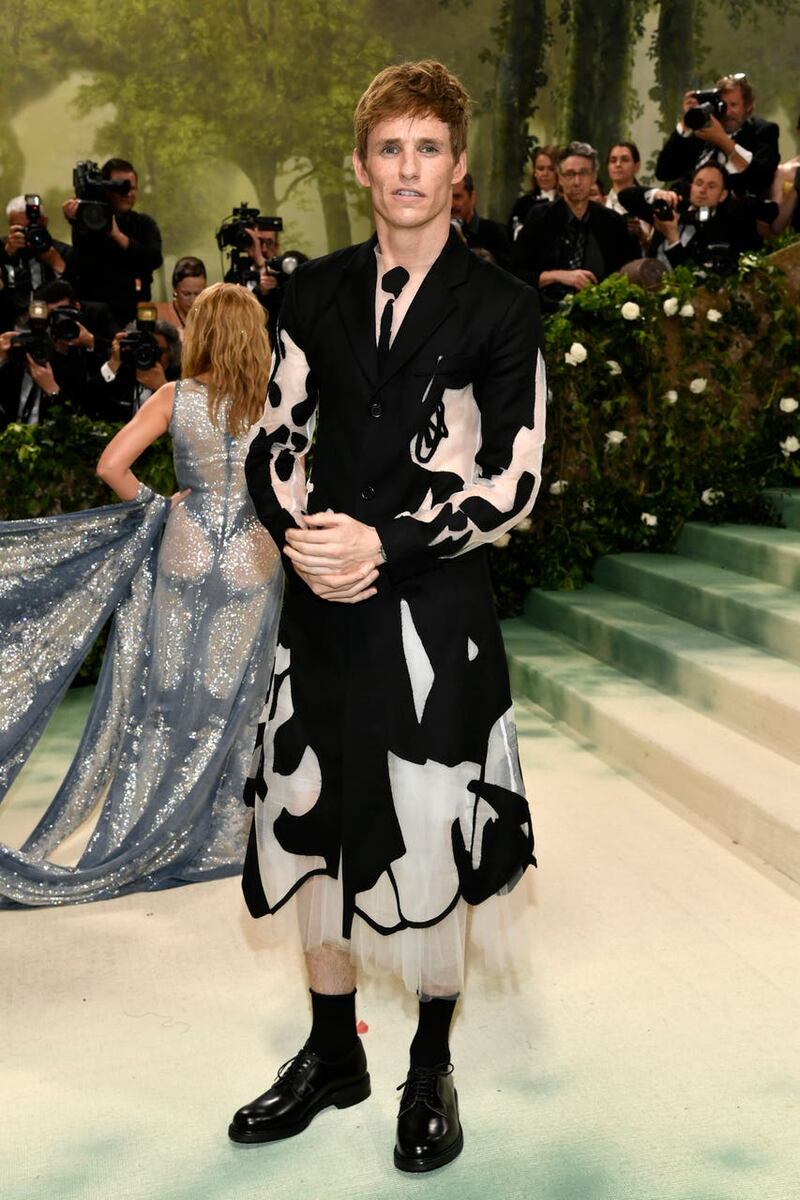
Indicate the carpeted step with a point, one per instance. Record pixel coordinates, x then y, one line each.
736 682
745 789
787 504
752 609
770 554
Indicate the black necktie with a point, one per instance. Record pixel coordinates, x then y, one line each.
393 281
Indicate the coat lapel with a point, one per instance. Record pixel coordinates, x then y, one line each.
432 305
355 299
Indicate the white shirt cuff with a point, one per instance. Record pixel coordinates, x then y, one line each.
742 152
682 130
108 374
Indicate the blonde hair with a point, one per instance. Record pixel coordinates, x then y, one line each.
226 338
415 89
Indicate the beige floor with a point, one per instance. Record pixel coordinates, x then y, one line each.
652 1053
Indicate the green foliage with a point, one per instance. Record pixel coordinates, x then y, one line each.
693 407
50 468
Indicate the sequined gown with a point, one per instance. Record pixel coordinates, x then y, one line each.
170 734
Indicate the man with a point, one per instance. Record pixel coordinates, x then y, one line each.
479 232
708 230
574 242
122 389
388 795
30 388
27 268
116 267
745 145
270 287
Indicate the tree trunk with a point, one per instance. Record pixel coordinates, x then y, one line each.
674 53
334 210
517 79
599 71
261 168
12 158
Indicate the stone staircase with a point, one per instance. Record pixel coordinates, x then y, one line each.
684 670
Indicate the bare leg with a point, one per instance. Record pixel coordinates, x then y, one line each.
330 971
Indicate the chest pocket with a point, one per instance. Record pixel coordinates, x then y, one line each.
451 370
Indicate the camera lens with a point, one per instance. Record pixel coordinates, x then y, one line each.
146 355
94 216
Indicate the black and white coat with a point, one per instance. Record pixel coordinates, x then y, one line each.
389 756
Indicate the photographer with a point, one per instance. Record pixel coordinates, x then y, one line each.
718 126
704 228
52 357
250 266
29 256
114 259
124 386
479 233
574 242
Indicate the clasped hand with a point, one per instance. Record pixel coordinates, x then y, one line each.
336 556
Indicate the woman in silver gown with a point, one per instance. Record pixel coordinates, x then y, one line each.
170 734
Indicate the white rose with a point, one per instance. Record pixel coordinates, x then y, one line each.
587 506
671 305
578 352
789 446
698 386
650 519
671 396
687 310
613 367
502 541
558 487
615 437
788 404
630 311
524 525
713 315
709 496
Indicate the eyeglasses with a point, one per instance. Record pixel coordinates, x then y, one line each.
582 173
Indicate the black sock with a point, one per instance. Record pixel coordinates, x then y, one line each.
333 1028
430 1047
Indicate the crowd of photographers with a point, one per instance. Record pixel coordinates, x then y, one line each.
78 325
725 191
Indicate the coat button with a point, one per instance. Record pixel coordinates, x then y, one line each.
376 409
367 492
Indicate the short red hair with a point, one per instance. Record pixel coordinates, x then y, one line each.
417 89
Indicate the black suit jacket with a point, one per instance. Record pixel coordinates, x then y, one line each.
72 373
101 270
438 449
490 235
681 155
539 246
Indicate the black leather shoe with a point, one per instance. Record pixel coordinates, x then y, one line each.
305 1085
429 1132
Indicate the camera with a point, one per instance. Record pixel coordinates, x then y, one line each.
95 214
233 230
283 264
139 348
35 339
37 239
709 104
65 324
663 210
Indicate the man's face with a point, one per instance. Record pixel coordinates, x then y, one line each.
736 112
270 246
577 176
21 218
463 203
410 171
707 189
124 203
163 346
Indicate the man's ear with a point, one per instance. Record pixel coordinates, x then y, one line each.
723 195
359 169
460 167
